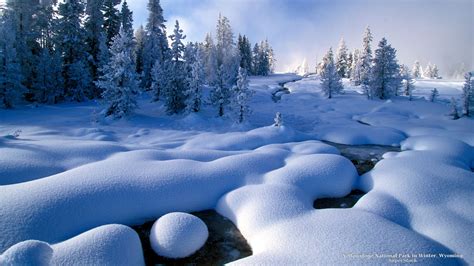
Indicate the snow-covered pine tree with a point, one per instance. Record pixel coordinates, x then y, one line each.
341 59
119 81
210 63
385 77
350 57
242 96
256 60
428 72
330 79
71 42
195 80
278 120
365 62
22 14
407 82
269 57
111 20
140 43
228 63
434 71
416 71
155 50
467 94
355 68
161 74
11 76
454 109
48 80
126 18
434 94
245 51
175 93
95 40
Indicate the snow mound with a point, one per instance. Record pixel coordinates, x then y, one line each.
441 145
427 190
106 245
112 244
31 252
178 235
319 175
358 134
243 140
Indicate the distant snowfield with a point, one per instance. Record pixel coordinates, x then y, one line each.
70 186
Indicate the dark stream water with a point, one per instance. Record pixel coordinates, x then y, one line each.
225 243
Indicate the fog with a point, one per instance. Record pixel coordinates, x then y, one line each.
437 31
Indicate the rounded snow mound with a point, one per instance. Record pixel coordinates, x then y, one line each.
178 235
30 252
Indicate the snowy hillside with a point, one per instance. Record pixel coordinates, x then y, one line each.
72 182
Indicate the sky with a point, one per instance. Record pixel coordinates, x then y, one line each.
436 31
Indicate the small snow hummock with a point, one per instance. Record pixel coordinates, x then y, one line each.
178 235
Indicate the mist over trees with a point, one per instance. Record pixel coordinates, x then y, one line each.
76 50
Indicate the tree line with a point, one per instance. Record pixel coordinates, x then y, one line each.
77 50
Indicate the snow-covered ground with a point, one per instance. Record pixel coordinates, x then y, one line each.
70 182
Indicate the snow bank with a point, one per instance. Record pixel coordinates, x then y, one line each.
427 189
243 140
178 235
105 245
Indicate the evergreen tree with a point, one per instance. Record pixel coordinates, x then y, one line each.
48 79
434 94
195 81
434 72
242 96
416 71
155 50
342 66
365 62
111 20
96 40
140 44
454 109
256 60
210 63
330 80
385 78
350 58
126 19
227 62
23 12
220 94
278 120
11 76
119 81
71 40
355 68
175 93
269 57
467 94
245 51
407 81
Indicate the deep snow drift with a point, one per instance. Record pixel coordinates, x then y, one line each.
69 184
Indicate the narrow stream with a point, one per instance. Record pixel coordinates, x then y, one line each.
364 158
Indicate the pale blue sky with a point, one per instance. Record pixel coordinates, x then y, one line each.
440 31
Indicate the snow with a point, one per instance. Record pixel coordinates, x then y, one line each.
71 184
178 235
111 244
